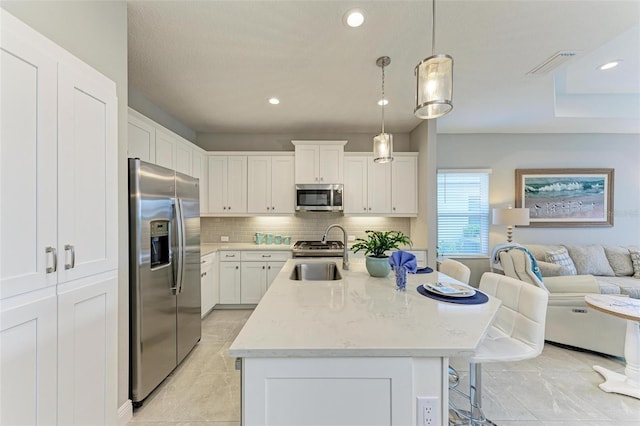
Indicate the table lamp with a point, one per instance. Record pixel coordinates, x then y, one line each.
511 217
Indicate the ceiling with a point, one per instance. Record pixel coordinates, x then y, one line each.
213 65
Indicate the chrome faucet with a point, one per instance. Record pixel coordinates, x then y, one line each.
345 256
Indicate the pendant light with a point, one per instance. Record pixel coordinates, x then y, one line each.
434 81
383 143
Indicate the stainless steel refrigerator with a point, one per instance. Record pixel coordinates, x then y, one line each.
164 273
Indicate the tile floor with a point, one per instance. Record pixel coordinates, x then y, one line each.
557 388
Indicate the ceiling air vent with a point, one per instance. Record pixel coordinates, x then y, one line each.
552 62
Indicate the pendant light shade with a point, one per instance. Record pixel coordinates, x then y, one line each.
383 143
434 87
383 148
434 81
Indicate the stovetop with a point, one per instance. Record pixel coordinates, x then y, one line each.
318 245
318 248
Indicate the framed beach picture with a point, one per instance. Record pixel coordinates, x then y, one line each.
566 197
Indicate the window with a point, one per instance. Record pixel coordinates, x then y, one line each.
463 212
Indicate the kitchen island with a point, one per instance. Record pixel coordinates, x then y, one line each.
352 351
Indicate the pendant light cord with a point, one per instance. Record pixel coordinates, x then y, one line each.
383 99
433 28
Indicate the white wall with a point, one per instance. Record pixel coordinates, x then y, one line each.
506 152
96 32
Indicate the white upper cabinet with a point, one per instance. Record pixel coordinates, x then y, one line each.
404 185
141 139
319 161
367 186
199 170
87 175
381 189
227 184
28 184
270 184
155 144
165 150
184 155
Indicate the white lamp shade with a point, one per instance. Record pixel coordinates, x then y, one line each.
383 148
434 87
511 216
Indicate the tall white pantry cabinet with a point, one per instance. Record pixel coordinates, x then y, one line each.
58 228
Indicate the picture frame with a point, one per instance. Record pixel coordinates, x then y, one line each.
566 197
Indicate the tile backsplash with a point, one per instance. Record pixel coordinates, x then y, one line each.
303 226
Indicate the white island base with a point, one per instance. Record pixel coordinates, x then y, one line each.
341 391
352 351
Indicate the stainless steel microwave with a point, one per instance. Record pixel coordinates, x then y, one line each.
319 197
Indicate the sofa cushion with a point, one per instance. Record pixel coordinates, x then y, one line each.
620 260
590 260
561 257
635 261
627 285
539 251
548 269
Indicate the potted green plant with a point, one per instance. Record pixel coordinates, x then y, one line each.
376 246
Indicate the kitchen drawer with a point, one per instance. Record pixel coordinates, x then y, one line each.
230 256
265 256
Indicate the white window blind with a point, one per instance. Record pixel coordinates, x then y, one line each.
463 212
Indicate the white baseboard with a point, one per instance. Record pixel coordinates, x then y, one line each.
125 413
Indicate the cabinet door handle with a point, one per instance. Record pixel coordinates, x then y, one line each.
202 261
229 255
273 208
266 255
224 207
364 208
263 267
369 208
229 208
71 248
237 267
269 267
321 179
54 254
394 209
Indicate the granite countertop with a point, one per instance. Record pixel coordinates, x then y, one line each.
359 316
206 248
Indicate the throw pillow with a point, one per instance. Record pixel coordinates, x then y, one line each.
590 260
561 257
635 261
548 269
619 260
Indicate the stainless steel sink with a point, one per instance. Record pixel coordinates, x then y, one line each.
320 271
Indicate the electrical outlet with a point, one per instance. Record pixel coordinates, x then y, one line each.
351 238
428 411
224 238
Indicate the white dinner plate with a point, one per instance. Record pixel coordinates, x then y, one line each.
449 289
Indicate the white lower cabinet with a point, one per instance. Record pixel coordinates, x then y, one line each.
229 262
245 276
208 282
28 341
88 351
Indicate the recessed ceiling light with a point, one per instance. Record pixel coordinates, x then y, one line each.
354 17
274 101
383 102
610 65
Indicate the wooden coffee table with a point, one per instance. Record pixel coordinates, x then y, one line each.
629 309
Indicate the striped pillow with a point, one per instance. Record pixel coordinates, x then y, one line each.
561 257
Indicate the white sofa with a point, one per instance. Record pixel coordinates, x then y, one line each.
569 320
611 266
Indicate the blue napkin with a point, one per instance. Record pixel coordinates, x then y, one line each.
403 259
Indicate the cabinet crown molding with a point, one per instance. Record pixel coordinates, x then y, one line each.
318 142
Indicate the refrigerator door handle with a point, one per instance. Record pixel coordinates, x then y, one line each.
175 246
181 245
